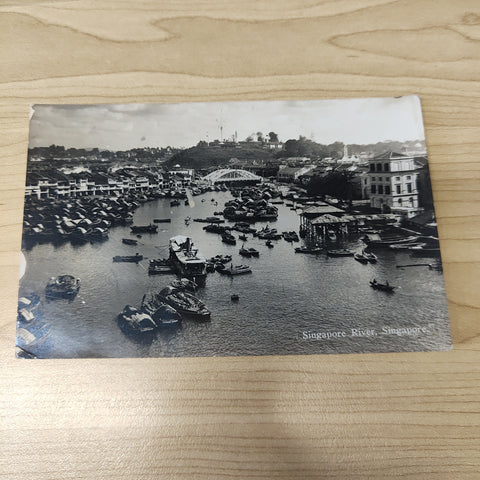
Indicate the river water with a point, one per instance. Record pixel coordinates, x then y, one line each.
290 304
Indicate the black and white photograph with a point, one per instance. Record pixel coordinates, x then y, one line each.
229 229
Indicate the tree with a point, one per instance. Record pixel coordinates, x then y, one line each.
260 137
272 137
335 184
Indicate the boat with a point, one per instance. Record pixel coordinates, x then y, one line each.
221 259
162 314
406 246
129 241
253 252
313 250
175 203
62 286
387 242
29 338
135 321
128 258
185 259
159 266
210 266
343 252
385 287
243 237
237 270
371 257
290 236
269 244
144 228
360 257
234 297
184 284
421 251
185 303
26 306
162 220
228 238
245 252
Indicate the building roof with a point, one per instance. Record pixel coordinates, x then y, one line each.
321 210
389 155
327 220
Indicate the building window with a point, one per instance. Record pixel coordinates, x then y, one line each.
380 189
379 167
386 167
411 201
387 190
399 189
374 178
373 189
409 177
380 179
372 167
399 202
409 188
397 179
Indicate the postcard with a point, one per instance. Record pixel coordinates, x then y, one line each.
229 228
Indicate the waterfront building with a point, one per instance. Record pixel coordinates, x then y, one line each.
292 174
55 184
393 184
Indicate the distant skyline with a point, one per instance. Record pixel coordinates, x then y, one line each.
182 125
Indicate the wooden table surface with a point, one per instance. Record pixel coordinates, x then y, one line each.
383 416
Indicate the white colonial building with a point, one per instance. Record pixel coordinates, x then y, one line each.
393 184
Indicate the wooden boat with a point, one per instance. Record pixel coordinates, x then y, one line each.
243 237
360 257
237 270
185 303
175 203
385 287
162 220
184 284
160 266
144 228
185 259
62 286
129 241
269 244
162 314
340 253
128 258
234 297
253 252
132 320
245 252
221 259
371 257
314 250
228 238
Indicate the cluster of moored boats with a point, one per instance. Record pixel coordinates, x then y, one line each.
166 308
78 219
252 204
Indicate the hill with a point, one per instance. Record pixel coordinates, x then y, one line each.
203 157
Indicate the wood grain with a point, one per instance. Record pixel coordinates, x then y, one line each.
383 416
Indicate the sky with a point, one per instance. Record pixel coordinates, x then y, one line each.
181 125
